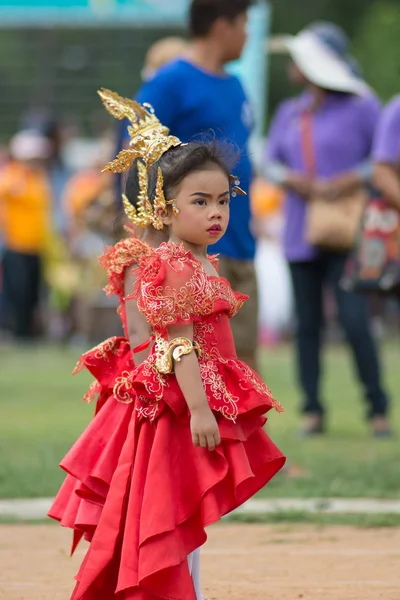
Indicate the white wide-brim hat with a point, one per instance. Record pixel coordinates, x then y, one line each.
321 66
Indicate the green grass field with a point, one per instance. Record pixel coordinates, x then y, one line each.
42 415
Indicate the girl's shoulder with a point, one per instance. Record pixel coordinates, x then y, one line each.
115 259
175 288
170 252
170 265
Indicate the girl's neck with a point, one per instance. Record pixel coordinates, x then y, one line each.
197 251
153 238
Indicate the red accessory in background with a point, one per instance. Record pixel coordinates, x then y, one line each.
374 266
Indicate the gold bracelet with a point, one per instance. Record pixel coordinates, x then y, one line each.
169 352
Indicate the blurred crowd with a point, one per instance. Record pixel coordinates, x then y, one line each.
52 190
57 210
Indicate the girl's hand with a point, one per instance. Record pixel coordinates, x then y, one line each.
204 428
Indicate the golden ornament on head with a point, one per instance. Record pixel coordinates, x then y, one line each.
143 215
149 140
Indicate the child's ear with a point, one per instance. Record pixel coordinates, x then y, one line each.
163 215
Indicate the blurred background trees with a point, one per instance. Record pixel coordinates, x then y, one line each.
61 72
372 25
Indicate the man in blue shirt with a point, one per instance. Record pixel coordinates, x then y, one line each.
195 95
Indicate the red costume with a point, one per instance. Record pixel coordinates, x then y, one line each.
143 492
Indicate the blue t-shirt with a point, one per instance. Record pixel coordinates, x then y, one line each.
191 102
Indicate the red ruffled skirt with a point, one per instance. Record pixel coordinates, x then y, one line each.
92 460
146 494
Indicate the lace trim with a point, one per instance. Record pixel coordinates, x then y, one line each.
116 259
100 352
165 305
213 380
250 378
93 391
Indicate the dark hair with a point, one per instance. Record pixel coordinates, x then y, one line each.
132 193
132 185
179 162
204 13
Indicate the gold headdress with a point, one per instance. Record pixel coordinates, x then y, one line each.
149 140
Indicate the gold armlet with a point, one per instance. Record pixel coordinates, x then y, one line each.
169 352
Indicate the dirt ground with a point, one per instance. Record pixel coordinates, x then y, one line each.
239 562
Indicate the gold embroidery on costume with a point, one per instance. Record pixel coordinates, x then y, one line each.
123 388
175 288
200 332
155 384
212 379
258 384
154 381
249 380
146 409
101 352
94 389
119 257
164 304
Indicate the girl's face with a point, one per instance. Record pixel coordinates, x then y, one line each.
202 199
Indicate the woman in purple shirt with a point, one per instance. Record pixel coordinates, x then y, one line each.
343 114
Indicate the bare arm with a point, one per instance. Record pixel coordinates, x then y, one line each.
299 183
345 183
387 181
338 186
203 424
331 188
138 327
279 174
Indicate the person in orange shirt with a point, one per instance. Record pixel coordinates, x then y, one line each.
92 223
25 205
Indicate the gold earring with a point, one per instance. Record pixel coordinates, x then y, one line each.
175 209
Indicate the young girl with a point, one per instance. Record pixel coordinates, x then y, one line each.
195 448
